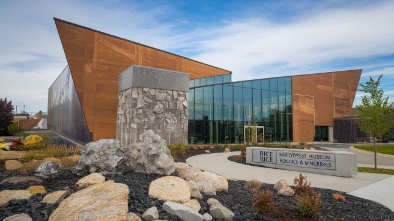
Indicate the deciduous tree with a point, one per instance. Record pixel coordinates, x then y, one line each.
375 111
6 115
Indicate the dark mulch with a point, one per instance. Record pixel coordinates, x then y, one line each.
238 199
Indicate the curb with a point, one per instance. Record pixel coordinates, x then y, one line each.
370 152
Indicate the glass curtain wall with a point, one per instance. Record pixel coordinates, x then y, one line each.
218 112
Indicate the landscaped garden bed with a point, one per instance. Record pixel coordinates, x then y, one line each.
238 199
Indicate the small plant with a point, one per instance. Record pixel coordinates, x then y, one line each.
338 197
177 150
309 203
219 147
263 201
253 184
56 151
236 147
67 162
302 144
30 167
301 185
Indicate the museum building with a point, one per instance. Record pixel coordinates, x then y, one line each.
83 100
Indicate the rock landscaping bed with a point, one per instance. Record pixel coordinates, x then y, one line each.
148 198
238 199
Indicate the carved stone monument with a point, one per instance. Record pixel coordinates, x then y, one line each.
152 99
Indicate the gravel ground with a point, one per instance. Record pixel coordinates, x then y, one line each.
238 199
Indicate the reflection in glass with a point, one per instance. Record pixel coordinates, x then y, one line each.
222 110
63 100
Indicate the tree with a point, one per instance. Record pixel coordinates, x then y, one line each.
6 115
13 128
375 111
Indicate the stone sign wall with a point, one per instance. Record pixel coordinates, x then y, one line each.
338 163
152 99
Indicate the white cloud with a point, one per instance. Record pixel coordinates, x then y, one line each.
386 71
250 45
32 57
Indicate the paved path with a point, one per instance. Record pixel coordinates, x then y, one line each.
364 158
378 186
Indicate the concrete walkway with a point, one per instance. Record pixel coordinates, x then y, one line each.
376 187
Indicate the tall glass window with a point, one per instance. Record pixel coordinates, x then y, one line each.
247 94
266 107
238 107
198 103
257 106
208 114
191 104
203 81
273 84
197 82
208 103
281 85
210 80
218 79
226 78
228 102
288 84
191 83
265 84
218 112
218 102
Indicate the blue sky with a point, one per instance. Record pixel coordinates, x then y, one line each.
253 39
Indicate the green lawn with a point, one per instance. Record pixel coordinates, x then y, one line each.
378 170
386 149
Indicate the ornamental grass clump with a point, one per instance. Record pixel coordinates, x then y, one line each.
253 184
56 151
263 201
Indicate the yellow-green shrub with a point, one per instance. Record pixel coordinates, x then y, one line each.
177 150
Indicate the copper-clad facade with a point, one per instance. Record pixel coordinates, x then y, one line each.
319 98
83 101
96 59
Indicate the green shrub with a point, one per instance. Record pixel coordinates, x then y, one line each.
219 147
236 147
13 128
302 143
263 201
309 203
177 150
253 184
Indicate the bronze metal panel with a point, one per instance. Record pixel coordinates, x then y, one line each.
303 118
96 59
334 94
